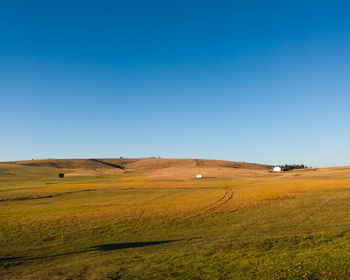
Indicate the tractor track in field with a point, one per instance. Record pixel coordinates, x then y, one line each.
142 205
314 210
222 203
217 201
140 214
214 205
44 196
144 209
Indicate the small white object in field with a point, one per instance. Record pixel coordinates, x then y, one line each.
277 169
199 176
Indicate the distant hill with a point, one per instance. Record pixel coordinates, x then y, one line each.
138 163
152 168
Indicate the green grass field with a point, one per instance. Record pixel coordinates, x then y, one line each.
124 226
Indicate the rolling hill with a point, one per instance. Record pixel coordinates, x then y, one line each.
153 168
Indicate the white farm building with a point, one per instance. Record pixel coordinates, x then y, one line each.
199 176
277 169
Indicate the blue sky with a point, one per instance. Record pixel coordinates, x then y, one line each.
255 81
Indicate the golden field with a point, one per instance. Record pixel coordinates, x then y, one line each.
151 219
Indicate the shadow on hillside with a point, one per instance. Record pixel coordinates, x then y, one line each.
9 259
102 247
107 163
119 246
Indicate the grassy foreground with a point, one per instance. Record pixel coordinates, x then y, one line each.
125 226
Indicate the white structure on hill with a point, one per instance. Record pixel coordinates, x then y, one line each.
277 169
199 176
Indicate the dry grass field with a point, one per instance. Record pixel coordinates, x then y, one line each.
151 219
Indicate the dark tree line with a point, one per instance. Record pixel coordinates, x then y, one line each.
288 167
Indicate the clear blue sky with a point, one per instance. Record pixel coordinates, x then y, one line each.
256 81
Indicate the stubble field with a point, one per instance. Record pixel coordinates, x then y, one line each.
150 219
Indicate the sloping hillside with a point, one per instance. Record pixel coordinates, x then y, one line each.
138 163
151 168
